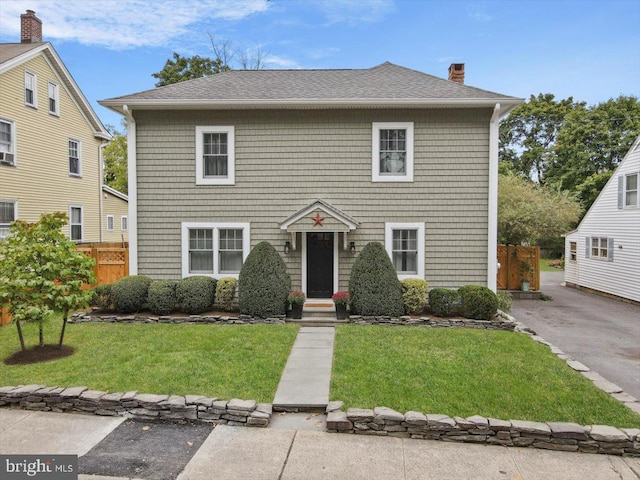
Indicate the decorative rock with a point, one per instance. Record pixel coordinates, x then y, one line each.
577 366
387 414
606 433
198 400
524 426
634 406
415 418
607 386
335 405
439 421
554 446
115 397
360 415
567 430
148 399
92 396
478 421
463 423
241 405
499 425
621 397
72 392
338 420
265 408
632 433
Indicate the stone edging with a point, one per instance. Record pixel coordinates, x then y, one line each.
235 412
569 437
499 323
190 319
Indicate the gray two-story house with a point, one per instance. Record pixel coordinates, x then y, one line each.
318 163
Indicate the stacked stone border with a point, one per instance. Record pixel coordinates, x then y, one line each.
568 437
498 323
235 412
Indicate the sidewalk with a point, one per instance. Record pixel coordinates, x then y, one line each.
271 454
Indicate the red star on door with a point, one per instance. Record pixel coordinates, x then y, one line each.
317 220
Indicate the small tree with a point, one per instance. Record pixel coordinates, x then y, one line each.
42 273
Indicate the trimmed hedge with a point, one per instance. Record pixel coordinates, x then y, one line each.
264 283
414 295
374 288
479 303
129 294
505 301
102 297
444 302
225 292
162 297
195 294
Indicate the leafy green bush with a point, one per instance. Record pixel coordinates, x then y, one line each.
225 292
478 302
444 302
102 297
374 288
129 294
195 294
264 283
414 295
162 297
505 301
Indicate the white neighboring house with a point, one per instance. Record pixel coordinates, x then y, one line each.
603 253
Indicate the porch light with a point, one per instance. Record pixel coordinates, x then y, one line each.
352 247
287 247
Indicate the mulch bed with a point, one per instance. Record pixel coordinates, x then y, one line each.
39 354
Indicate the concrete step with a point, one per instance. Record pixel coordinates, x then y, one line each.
313 321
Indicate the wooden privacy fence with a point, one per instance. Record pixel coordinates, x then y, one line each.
518 263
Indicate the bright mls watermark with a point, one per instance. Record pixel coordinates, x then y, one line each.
43 467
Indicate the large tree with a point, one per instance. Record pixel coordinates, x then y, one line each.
42 273
528 212
187 68
115 160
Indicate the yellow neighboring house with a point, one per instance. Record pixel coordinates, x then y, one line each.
116 213
50 140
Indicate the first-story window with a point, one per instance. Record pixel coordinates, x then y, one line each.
600 248
405 246
75 223
124 223
573 251
110 223
7 215
215 155
215 249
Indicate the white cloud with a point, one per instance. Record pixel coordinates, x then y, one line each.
279 62
353 12
122 24
476 12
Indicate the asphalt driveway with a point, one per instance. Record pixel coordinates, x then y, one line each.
602 333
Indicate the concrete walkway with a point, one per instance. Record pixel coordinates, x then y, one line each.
279 454
306 379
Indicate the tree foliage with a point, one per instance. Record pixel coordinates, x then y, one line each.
528 211
181 68
42 273
115 160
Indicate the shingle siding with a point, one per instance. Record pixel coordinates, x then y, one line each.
286 159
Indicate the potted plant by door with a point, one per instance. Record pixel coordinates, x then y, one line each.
296 299
526 269
341 300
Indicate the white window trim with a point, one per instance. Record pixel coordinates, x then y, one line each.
12 145
55 112
376 176
35 89
124 223
388 245
110 218
231 156
216 227
81 222
15 207
79 143
624 190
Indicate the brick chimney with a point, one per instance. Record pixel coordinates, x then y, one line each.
456 73
30 28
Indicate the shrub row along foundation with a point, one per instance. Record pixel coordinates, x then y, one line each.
145 406
569 437
497 324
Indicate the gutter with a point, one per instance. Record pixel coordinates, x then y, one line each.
132 191
492 234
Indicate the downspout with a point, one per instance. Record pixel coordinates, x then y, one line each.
101 183
492 237
132 191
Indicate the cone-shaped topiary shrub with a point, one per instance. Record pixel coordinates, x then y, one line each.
374 288
414 295
264 284
444 302
478 302
129 294
196 294
162 297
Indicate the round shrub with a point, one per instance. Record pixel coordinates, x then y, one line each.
129 294
374 288
478 303
505 301
414 295
263 284
225 292
444 302
196 294
162 297
102 297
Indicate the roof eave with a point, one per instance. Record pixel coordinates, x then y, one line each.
506 103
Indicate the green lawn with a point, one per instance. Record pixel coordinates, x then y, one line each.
544 265
465 372
236 361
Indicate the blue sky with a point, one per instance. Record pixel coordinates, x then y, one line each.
586 49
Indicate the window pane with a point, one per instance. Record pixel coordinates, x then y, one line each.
215 165
631 198
5 136
393 150
76 232
7 212
632 182
201 261
230 261
215 154
76 215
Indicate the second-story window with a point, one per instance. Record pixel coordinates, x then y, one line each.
7 140
215 155
54 106
392 159
30 89
75 165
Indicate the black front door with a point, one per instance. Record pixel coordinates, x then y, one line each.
319 265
